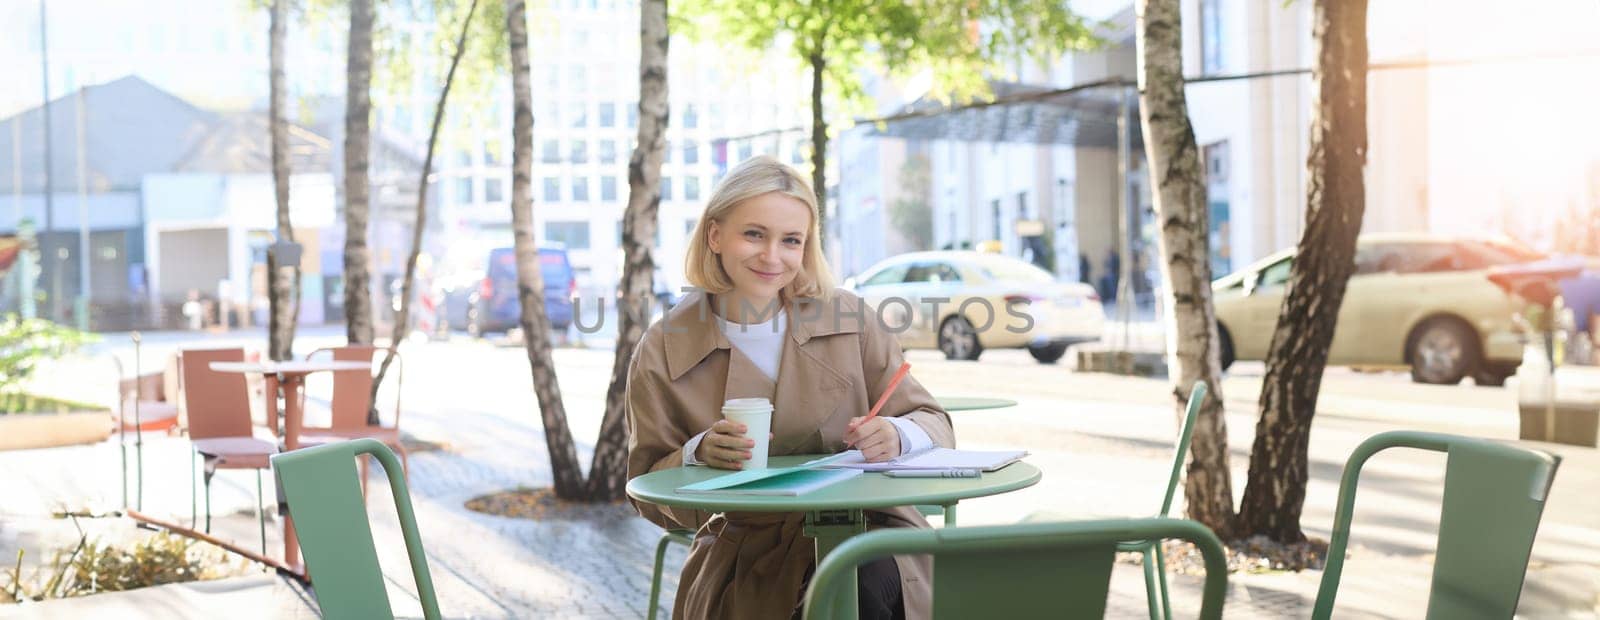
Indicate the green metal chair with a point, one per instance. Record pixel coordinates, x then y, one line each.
323 493
686 538
1155 563
682 537
1025 570
1494 495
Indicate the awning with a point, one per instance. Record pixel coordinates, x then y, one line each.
1083 115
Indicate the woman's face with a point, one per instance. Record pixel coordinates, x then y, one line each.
761 245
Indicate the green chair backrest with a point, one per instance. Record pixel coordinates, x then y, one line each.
1494 494
1025 570
1197 396
323 492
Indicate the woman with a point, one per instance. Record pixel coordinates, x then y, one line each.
768 323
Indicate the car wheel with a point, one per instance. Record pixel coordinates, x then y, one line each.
958 340
1441 352
1492 375
1048 354
1225 347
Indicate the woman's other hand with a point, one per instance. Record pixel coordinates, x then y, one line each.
877 439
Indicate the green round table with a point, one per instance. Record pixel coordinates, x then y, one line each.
836 512
972 403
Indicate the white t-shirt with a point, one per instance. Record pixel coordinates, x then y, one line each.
763 344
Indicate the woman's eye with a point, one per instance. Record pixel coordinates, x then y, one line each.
753 234
792 241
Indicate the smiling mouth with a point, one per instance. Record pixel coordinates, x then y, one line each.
766 274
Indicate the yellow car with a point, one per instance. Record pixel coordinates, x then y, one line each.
1416 301
962 302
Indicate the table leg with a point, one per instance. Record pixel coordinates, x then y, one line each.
270 383
291 441
830 528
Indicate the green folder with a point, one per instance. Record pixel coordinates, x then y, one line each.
779 481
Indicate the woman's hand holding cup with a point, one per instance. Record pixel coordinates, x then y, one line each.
725 446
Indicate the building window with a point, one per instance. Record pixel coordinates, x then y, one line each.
463 157
552 189
549 77
608 114
464 190
551 153
574 235
580 152
1210 36
666 152
578 115
666 189
744 150
798 155
994 217
608 151
580 189
579 81
494 190
691 152
491 153
1216 159
608 188
549 113
633 115
691 117
691 188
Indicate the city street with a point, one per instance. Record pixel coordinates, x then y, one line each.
1102 441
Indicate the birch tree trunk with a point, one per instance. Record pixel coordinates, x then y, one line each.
530 283
402 318
1180 204
283 285
1335 203
608 470
357 139
819 137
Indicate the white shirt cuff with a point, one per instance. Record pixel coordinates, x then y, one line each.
912 437
694 445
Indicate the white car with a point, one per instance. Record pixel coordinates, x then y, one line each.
963 302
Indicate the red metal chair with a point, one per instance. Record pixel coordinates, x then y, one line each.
352 400
216 406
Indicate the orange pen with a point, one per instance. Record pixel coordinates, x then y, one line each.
899 375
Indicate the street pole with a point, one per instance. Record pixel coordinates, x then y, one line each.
16 170
81 305
49 186
1125 268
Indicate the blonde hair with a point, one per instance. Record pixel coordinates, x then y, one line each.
758 176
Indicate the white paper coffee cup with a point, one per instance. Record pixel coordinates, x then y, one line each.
756 415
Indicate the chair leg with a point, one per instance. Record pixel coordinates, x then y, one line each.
655 577
1161 577
208 504
1150 588
261 515
950 515
194 490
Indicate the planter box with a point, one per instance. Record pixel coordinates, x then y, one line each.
25 431
1575 424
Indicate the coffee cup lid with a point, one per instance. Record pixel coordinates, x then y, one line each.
747 403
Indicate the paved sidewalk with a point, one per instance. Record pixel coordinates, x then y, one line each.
1097 437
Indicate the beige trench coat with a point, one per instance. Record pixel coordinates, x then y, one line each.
835 360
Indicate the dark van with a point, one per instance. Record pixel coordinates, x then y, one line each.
498 308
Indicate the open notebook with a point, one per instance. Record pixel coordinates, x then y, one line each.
930 458
778 481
